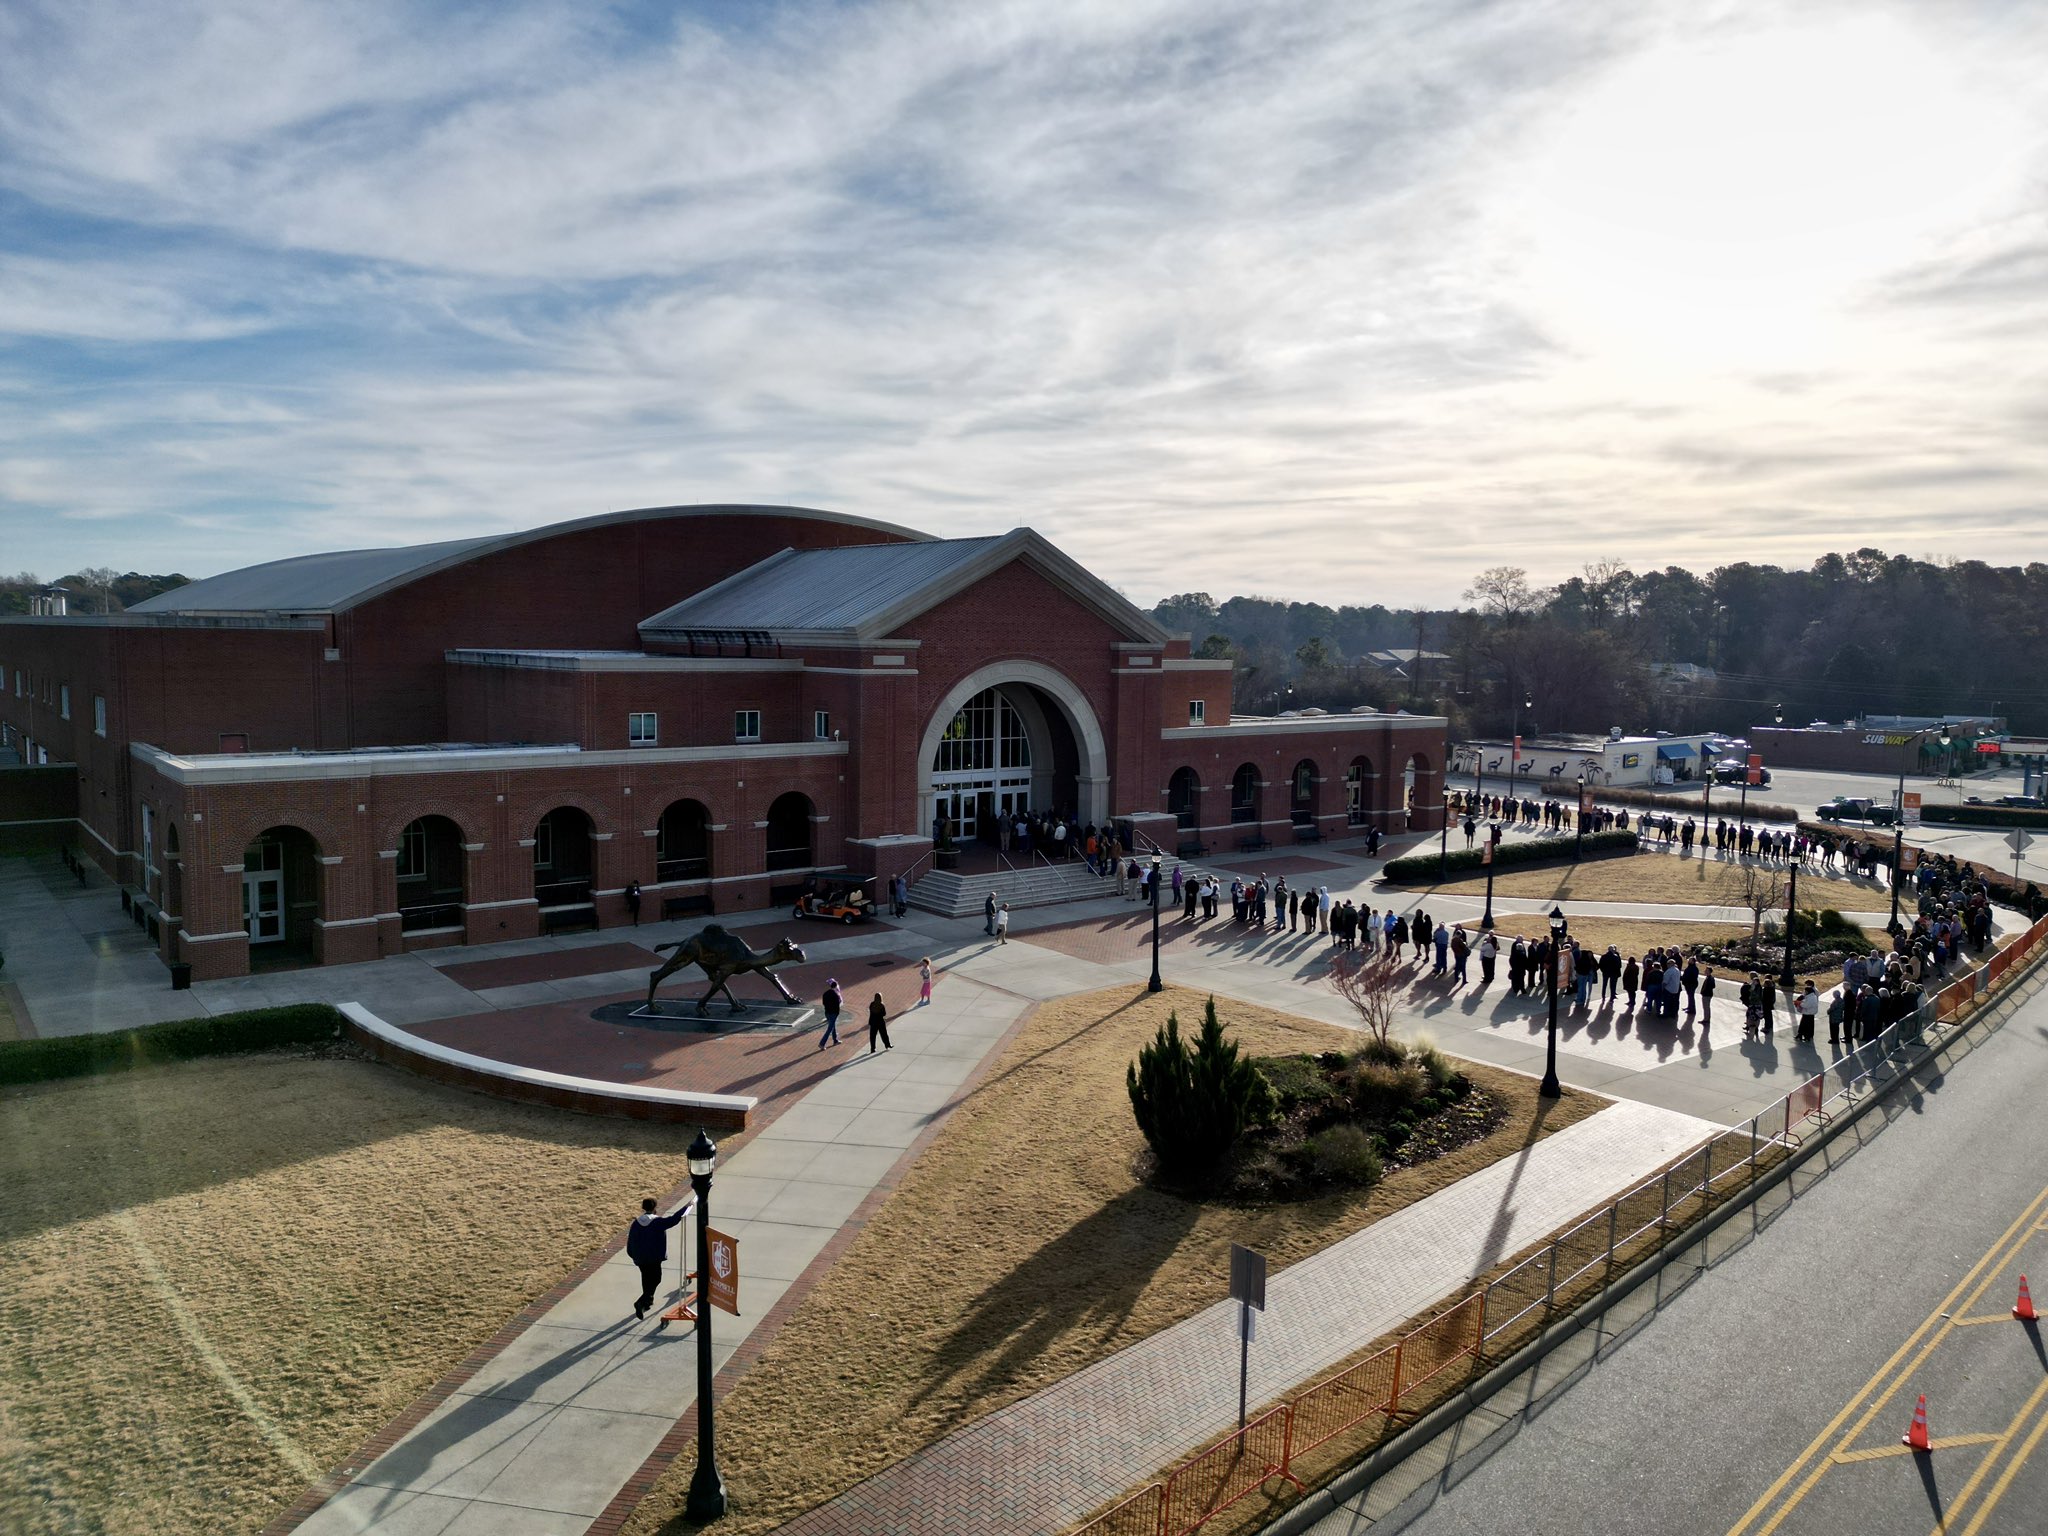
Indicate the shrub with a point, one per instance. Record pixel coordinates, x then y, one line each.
1435 1065
1383 1093
1381 1053
1342 1154
259 1029
1300 1080
1541 850
1986 816
1681 804
1192 1104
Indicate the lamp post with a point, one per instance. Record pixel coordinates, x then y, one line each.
1551 1088
1579 822
1492 843
1791 917
1443 841
707 1488
1155 984
1899 822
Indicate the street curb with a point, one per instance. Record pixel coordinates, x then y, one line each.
1332 1496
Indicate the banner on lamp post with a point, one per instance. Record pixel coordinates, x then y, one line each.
725 1271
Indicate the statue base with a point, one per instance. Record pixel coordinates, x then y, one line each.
679 1015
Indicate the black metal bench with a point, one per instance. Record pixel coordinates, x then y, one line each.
1253 844
685 906
1308 834
558 919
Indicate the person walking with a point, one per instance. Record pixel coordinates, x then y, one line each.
1706 999
924 982
988 915
1003 923
878 1025
831 1000
647 1247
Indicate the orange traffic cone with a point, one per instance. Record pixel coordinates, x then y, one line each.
1916 1437
2025 1310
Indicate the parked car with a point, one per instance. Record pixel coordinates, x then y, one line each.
1733 770
1855 808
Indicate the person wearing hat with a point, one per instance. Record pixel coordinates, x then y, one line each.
831 1001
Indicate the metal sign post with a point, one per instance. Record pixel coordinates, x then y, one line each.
1248 1290
2018 842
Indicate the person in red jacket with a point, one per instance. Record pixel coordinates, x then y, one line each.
647 1247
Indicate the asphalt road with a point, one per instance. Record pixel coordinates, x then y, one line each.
1770 1394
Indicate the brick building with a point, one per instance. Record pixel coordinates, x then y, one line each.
353 754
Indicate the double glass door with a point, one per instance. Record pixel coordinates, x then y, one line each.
263 892
971 809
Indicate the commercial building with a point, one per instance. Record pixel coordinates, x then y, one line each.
1613 761
348 755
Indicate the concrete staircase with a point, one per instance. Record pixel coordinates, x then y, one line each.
952 894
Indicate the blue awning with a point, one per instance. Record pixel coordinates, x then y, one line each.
1675 749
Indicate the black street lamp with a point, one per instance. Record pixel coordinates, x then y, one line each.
1899 821
1791 918
707 1488
1443 841
1579 821
1155 984
1492 849
1551 1088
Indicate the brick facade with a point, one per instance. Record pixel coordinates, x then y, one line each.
337 725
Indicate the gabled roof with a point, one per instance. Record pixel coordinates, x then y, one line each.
331 583
869 591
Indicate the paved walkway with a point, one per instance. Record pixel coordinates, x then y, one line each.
1044 1463
544 1435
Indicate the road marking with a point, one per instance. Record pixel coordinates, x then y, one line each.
1972 1322
1984 1467
2005 1478
1943 1443
1935 1322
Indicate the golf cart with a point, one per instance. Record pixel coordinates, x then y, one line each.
836 898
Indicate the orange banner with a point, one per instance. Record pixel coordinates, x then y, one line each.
725 1271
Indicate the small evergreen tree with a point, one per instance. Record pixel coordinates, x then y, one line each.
1193 1103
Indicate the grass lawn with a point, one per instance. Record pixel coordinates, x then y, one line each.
1634 935
1658 877
1020 1247
218 1277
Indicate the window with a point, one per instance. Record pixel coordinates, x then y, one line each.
412 852
64 701
640 729
746 725
17 682
1198 712
821 724
544 846
234 741
99 714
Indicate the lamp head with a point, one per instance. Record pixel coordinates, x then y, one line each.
703 1155
1557 920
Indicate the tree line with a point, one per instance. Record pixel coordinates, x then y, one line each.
1746 644
94 589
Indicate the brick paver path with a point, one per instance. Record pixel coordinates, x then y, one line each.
1042 1464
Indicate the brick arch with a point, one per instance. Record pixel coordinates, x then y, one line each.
395 822
328 840
526 812
1067 696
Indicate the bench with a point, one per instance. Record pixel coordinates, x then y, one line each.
685 906
1308 834
556 919
1253 844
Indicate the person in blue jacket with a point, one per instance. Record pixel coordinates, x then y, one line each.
647 1247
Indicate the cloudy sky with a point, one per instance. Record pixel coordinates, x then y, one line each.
1341 301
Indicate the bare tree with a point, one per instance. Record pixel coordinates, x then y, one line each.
101 579
1503 592
1370 983
1761 889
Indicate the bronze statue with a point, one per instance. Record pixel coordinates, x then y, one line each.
723 956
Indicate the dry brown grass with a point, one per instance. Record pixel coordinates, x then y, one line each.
1632 936
1020 1247
325 1234
1661 878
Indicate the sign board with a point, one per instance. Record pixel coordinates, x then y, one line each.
1912 804
1486 852
1754 772
1247 1277
1631 759
1989 746
725 1271
1585 800
1909 859
2018 842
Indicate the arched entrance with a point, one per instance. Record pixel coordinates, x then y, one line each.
1305 784
430 875
1015 736
1244 794
561 858
281 894
1422 793
682 842
789 832
1183 797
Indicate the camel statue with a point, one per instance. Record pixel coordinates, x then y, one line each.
723 956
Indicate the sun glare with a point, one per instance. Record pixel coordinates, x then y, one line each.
1718 204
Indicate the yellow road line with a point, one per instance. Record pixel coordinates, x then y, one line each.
1939 1316
2005 1478
2034 1400
1941 1443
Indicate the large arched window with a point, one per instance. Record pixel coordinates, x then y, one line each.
982 766
789 832
1303 785
430 862
561 858
1244 794
1182 792
682 842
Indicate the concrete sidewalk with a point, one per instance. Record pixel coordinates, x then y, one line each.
542 1438
1042 1464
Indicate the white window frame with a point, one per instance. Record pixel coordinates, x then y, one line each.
821 724
746 725
1198 711
99 714
412 852
64 701
643 728
543 847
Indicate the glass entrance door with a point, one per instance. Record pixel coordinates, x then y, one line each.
263 905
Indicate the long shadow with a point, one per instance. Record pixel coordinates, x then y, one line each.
1924 1462
1493 1247
1089 1277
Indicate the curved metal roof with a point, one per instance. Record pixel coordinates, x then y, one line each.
333 582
